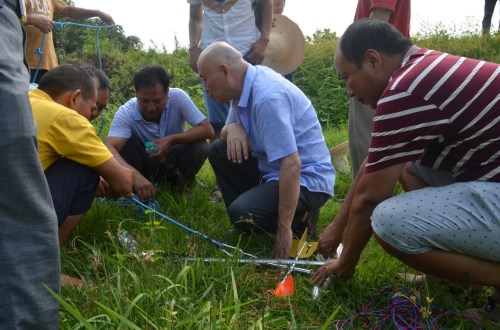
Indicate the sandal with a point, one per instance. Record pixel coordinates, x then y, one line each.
215 195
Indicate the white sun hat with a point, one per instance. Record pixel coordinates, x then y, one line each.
286 48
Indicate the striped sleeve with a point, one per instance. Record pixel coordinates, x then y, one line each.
442 111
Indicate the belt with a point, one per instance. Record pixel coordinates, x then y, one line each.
15 6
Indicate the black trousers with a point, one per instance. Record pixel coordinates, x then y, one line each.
489 8
252 204
178 169
72 187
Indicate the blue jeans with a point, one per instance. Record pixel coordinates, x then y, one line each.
29 247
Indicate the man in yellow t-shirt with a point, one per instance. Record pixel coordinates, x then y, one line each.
72 155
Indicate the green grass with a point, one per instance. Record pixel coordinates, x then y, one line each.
122 291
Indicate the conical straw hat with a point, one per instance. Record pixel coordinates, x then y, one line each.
339 157
286 48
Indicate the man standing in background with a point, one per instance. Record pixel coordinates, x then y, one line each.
397 13
234 22
39 26
489 8
29 250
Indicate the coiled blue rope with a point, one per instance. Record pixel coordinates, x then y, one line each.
60 25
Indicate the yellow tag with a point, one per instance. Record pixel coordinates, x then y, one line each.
307 251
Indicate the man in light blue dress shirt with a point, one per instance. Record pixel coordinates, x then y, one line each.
272 162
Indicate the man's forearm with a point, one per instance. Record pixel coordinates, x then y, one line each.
289 190
381 14
369 190
266 18
343 214
358 232
193 135
194 35
80 13
195 25
122 161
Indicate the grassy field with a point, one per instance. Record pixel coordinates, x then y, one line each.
125 290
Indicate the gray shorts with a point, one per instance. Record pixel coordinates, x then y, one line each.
462 217
433 178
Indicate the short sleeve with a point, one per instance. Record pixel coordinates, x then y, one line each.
75 138
120 126
59 6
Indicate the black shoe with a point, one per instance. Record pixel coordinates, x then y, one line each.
312 222
306 220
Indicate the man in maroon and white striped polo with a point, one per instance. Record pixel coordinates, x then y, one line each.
436 130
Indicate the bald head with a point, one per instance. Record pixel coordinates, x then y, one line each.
223 69
219 53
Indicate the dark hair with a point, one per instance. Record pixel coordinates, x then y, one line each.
65 78
369 33
100 75
151 75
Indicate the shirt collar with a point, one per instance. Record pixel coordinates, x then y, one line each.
137 111
40 94
412 50
247 86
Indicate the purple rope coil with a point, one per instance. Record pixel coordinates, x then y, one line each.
397 308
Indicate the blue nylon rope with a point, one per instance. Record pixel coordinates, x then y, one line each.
60 25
